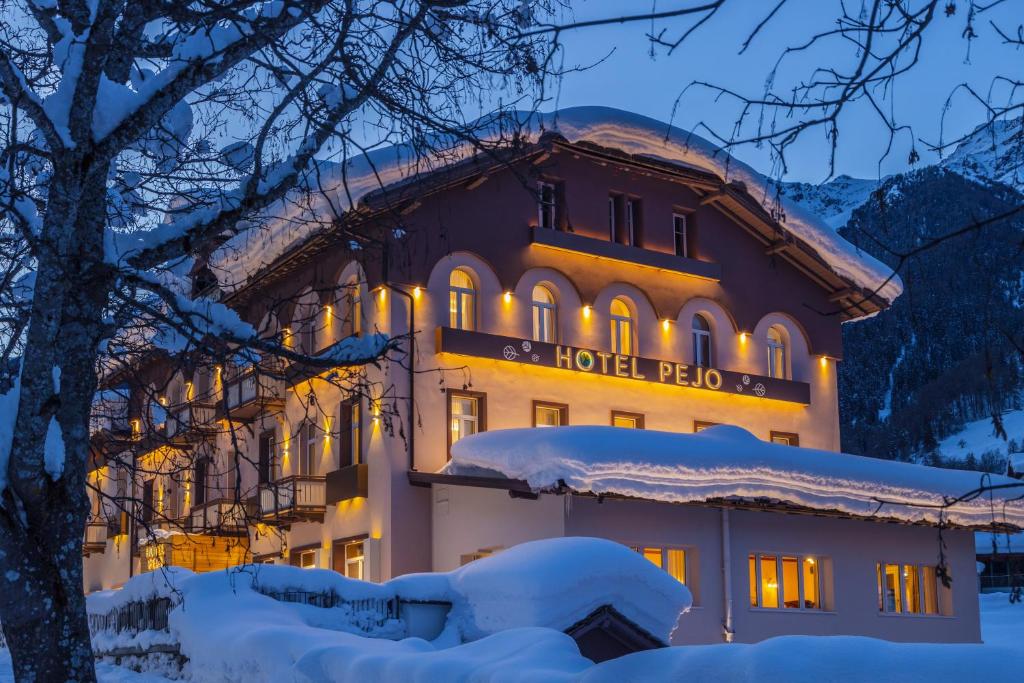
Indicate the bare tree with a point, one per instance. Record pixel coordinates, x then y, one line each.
138 139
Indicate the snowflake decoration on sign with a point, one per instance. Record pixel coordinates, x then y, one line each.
510 352
739 388
527 346
535 357
759 389
746 379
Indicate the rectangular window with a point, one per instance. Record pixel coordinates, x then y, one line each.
907 589
307 559
679 235
550 414
613 209
627 420
467 415
784 581
546 206
266 457
701 425
354 560
350 435
672 560
785 438
148 488
633 222
310 462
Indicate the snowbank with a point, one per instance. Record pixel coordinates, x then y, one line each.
729 462
511 609
252 250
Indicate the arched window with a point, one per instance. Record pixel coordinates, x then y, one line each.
701 341
462 300
543 306
621 328
776 352
353 311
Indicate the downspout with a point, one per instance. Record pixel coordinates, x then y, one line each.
727 626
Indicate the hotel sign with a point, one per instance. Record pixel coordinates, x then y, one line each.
572 358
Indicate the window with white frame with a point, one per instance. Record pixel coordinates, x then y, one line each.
546 205
776 343
354 560
907 589
672 560
632 222
790 582
613 207
310 463
701 330
462 300
466 415
621 327
542 303
679 236
307 559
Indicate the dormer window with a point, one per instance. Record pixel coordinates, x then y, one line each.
701 341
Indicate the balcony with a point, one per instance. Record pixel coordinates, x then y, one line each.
95 538
190 422
250 394
647 258
218 517
348 482
294 499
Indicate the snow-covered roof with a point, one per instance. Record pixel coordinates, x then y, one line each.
252 250
729 463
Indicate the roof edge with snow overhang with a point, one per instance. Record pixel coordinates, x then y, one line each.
728 467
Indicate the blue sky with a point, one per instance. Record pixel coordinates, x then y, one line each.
630 78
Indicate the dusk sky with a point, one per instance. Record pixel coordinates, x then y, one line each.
630 78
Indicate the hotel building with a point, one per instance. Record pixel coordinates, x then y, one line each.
571 282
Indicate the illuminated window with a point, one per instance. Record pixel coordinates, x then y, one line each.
701 341
701 425
907 589
354 560
543 306
546 206
462 300
627 420
621 328
785 438
307 559
550 414
680 238
672 560
784 581
776 341
467 415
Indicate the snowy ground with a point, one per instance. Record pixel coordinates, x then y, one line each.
978 437
780 659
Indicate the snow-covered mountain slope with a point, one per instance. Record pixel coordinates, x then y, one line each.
992 153
833 201
979 437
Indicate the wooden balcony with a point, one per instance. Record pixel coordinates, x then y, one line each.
95 538
222 517
190 422
299 498
348 482
251 394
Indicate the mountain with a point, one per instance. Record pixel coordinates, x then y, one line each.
920 380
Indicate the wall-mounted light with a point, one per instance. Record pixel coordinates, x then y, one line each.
586 311
329 311
507 297
743 337
383 293
416 292
823 361
665 325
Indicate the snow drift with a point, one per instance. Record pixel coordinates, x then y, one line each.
345 185
507 610
726 462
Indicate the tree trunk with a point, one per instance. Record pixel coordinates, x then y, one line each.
42 514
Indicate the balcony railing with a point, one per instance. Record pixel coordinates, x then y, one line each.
95 537
252 393
189 421
218 516
294 498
